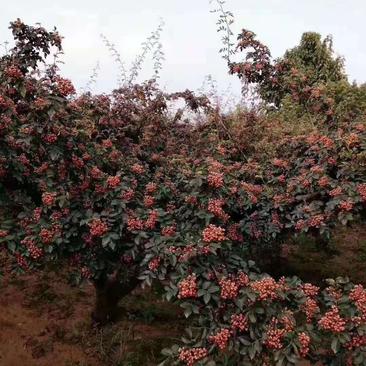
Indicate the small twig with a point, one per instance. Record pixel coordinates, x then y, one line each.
226 19
92 78
122 79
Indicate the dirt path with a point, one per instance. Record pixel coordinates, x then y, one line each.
31 323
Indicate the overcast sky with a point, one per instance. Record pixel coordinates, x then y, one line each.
189 38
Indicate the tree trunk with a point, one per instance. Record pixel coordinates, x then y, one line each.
108 293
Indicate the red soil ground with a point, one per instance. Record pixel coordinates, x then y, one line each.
44 321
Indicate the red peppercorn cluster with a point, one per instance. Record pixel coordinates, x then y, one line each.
242 279
280 163
149 201
266 288
51 138
86 157
287 321
187 252
48 198
310 290
13 72
300 225
323 181
137 169
215 179
326 141
215 166
85 273
84 186
215 207
114 155
305 183
134 224
151 188
276 220
316 221
95 172
352 139
239 322
154 264
78 163
304 340
229 289
23 159
332 321
4 103
334 293
253 189
128 195
282 199
358 295
34 251
107 143
357 341
336 192
192 355
221 338
360 127
5 122
361 188
98 227
317 169
42 168
283 285
282 179
100 189
46 235
213 233
192 200
346 205
64 87
113 181
21 261
234 190
173 250
3 233
222 150
274 336
40 103
152 220
310 307
188 287
169 231
233 233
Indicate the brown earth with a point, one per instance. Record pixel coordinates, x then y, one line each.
345 256
44 321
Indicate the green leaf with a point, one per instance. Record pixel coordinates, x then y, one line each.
335 345
207 298
187 312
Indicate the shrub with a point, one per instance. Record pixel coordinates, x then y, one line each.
127 194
